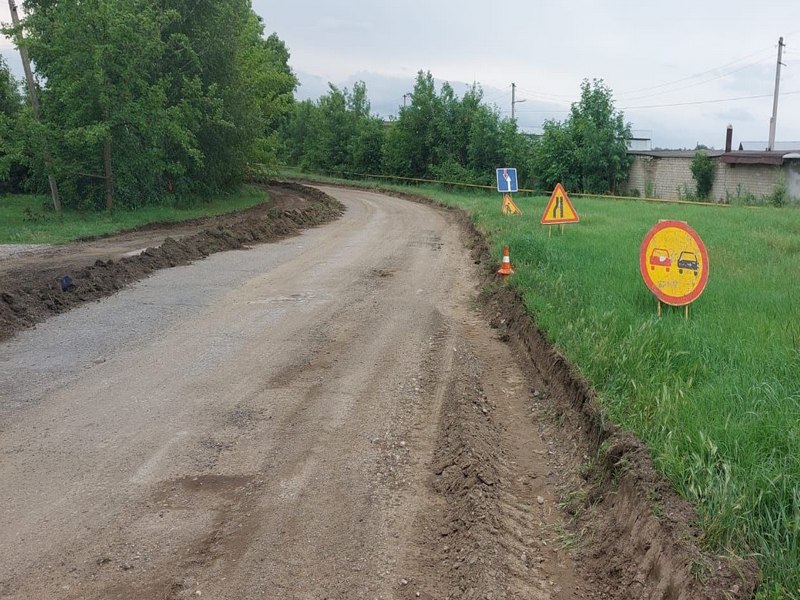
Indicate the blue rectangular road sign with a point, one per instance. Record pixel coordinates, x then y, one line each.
507 180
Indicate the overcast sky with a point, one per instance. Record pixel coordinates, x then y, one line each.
652 54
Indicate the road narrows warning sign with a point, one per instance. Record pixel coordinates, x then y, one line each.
559 209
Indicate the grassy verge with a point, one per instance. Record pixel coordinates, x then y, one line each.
31 219
716 397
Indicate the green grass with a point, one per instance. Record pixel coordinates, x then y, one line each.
716 397
31 219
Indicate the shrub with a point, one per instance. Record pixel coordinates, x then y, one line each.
703 172
780 193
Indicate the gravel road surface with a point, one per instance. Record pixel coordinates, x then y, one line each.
278 422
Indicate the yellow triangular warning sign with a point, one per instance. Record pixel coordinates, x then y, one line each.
559 209
509 208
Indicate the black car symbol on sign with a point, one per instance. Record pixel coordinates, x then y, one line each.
687 260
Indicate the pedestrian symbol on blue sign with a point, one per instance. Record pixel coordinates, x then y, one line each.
507 180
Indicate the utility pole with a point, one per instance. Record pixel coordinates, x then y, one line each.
34 96
514 100
404 99
774 119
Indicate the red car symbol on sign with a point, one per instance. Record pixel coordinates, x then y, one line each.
659 257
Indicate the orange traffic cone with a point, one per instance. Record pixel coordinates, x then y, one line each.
505 268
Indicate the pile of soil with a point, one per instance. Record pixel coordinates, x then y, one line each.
33 292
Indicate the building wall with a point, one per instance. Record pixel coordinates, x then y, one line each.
793 177
758 180
660 177
670 177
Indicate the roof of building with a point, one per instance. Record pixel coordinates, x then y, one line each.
762 146
675 153
737 157
743 157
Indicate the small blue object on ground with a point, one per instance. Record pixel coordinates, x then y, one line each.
66 283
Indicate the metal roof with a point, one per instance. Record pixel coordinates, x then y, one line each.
674 153
742 157
762 146
737 157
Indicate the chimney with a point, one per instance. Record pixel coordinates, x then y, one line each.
729 138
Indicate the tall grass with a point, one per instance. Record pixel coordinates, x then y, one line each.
31 219
716 396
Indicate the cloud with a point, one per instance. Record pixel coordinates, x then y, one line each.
752 79
339 26
735 115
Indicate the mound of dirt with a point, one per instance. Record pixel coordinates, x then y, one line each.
31 294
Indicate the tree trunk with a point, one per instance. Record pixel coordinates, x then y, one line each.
109 173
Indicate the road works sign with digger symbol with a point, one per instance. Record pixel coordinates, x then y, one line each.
674 263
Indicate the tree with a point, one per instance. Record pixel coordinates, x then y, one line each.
588 151
703 172
437 135
414 138
10 109
336 133
148 99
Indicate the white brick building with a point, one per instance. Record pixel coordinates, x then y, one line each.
667 173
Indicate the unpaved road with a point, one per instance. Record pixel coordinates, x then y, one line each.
324 417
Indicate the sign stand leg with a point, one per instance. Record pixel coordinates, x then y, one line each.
550 232
686 313
562 229
659 308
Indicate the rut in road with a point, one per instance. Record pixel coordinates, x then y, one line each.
324 417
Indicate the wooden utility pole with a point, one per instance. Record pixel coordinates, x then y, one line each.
34 97
774 119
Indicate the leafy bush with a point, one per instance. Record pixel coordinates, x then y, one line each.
780 194
703 172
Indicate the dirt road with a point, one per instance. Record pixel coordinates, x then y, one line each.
324 417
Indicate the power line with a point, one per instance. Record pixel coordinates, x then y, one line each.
715 71
626 96
715 101
695 75
695 84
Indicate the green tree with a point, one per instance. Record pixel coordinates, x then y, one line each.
230 89
414 138
11 170
103 101
703 172
588 151
10 98
438 135
146 98
366 150
336 133
556 157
